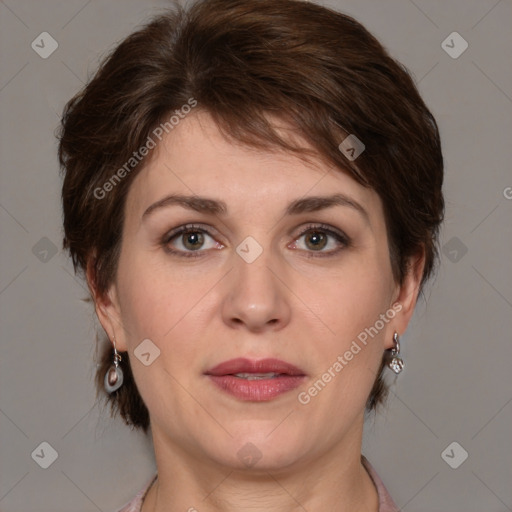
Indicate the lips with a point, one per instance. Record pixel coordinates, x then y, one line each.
255 381
263 366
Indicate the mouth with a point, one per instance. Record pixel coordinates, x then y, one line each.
257 376
264 368
256 381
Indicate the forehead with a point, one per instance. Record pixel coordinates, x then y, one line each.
195 158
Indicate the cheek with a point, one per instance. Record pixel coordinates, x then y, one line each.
349 307
155 301
160 306
351 299
168 308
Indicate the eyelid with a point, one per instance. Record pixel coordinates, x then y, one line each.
209 230
323 227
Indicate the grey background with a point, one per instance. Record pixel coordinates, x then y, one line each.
457 383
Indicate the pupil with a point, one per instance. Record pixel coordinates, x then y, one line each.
193 240
316 240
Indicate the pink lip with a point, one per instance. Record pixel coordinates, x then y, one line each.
243 365
256 390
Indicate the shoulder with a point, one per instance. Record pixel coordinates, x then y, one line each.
136 503
386 503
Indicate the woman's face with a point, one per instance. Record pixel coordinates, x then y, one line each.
285 260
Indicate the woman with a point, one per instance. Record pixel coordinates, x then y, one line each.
253 192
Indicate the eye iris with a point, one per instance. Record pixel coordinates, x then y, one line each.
193 240
316 240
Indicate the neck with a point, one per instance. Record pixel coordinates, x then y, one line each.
333 481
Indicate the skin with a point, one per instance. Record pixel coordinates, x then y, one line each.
208 309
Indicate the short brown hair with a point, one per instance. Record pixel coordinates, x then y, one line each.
243 60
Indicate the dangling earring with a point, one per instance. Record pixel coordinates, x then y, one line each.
114 376
395 362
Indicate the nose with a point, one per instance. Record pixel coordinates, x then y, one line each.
256 299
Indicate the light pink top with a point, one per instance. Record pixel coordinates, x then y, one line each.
386 503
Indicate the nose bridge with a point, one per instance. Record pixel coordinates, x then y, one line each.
255 297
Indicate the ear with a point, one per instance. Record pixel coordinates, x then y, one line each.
107 307
407 293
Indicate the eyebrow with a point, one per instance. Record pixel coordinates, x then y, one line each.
216 207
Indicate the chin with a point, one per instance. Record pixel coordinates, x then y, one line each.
255 450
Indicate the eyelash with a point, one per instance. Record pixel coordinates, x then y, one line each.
341 237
